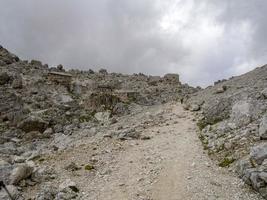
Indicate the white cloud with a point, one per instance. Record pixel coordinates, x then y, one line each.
202 40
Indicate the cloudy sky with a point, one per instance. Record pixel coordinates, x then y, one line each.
201 40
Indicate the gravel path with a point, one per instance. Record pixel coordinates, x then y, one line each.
170 166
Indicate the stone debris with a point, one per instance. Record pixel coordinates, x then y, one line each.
48 112
232 124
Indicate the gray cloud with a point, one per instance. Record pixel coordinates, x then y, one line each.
201 40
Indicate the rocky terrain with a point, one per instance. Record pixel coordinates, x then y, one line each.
233 122
45 111
71 134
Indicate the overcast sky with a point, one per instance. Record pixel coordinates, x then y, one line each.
202 40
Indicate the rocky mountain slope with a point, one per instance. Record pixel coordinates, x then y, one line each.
46 111
71 134
233 122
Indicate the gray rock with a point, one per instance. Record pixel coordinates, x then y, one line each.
48 132
72 167
4 78
121 109
44 174
19 159
67 190
103 71
263 166
9 148
15 194
256 181
102 116
129 134
47 192
264 93
172 78
259 153
60 67
263 176
36 63
242 166
241 114
68 184
5 171
221 89
263 192
263 127
19 173
17 82
58 128
194 107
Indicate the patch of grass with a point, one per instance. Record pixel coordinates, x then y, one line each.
226 162
203 123
89 167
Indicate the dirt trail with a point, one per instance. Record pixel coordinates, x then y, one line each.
169 166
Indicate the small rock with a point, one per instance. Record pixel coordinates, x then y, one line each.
103 71
18 159
20 173
129 134
145 137
68 184
221 89
48 132
17 82
102 116
259 153
72 167
60 67
47 192
194 107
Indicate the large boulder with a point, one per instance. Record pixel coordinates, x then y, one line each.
216 110
259 153
33 123
241 114
263 127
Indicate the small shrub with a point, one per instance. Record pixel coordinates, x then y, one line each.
89 167
226 162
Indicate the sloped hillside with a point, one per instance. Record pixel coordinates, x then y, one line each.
233 124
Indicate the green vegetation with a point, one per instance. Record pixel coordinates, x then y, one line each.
89 167
203 123
226 162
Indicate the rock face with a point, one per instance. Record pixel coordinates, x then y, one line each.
232 121
253 170
263 127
